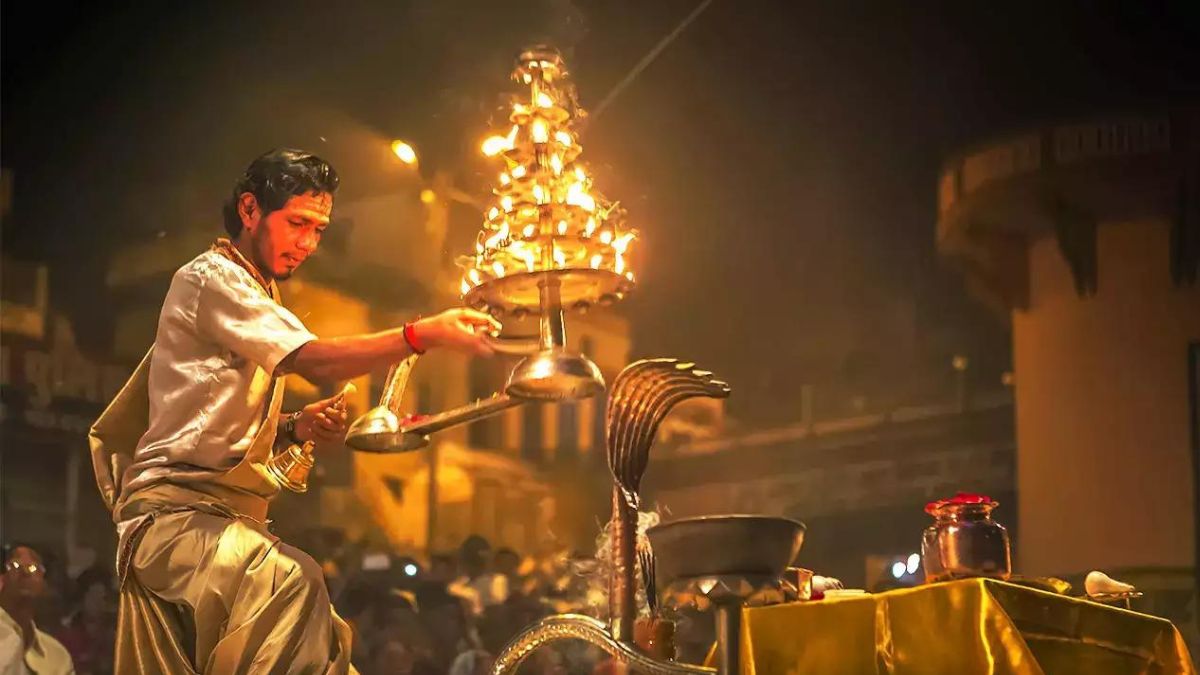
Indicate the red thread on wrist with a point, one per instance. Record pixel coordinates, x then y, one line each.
410 336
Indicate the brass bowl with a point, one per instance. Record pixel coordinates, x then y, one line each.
724 545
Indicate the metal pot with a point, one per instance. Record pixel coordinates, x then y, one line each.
964 542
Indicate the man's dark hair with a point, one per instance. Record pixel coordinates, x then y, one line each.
275 178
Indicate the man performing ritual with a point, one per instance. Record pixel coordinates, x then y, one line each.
181 454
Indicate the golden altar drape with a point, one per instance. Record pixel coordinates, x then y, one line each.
970 626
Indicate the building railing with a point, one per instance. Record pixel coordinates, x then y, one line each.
1057 145
843 425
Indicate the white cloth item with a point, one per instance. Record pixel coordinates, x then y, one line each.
220 338
45 656
1099 583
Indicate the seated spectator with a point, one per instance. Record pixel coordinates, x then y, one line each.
25 648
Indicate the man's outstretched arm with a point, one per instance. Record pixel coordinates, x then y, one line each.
342 358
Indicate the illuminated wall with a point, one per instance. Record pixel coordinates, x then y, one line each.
1105 465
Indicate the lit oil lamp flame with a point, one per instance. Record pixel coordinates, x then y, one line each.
621 243
494 145
545 215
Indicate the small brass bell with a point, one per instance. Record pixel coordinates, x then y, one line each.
291 466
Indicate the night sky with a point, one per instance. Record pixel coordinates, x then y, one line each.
779 158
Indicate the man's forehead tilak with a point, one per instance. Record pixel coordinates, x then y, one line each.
314 206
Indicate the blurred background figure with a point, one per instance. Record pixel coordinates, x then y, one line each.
90 630
478 584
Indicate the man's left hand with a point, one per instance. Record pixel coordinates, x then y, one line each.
323 421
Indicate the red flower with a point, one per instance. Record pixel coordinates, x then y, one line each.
961 498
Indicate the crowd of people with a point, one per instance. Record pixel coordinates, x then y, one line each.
452 615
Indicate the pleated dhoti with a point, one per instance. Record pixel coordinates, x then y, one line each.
210 592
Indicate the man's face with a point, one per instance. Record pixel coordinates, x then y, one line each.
287 236
24 574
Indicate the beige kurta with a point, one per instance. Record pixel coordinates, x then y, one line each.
44 656
180 457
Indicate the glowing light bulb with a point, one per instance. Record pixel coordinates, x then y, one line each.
544 100
563 138
606 237
404 152
562 227
498 268
473 275
506 203
465 288
596 260
493 212
539 195
539 132
529 230
629 275
910 565
560 258
580 174
518 171
556 164
504 179
619 264
898 569
590 227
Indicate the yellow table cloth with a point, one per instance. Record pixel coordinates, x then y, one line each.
959 627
